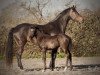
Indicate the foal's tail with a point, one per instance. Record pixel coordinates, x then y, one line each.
9 48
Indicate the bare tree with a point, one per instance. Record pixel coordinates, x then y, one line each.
71 2
37 10
41 6
68 3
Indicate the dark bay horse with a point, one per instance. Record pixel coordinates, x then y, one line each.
21 33
48 42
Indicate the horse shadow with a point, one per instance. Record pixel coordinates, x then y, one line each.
86 66
75 67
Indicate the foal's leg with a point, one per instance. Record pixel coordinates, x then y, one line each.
50 64
44 59
53 57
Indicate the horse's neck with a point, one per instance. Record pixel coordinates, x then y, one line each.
60 22
63 21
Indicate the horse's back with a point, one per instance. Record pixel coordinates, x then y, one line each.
22 31
63 40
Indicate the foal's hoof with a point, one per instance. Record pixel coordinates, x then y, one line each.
50 66
65 68
43 70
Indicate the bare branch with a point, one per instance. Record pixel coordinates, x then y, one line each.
37 11
29 5
45 4
69 3
41 6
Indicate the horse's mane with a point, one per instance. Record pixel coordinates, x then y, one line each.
61 13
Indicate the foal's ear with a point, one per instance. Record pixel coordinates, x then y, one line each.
32 27
37 28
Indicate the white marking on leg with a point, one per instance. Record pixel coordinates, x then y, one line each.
43 70
65 68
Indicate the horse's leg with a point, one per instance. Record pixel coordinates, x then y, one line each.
53 57
68 59
44 59
50 64
19 53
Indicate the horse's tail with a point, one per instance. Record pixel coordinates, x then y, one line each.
9 48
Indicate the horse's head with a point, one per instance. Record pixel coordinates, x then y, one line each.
74 15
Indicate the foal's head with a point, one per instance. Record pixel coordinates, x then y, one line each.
74 15
36 31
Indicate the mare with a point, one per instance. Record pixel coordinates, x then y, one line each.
21 33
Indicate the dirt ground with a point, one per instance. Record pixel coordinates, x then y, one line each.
81 66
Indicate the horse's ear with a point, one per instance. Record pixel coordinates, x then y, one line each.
74 6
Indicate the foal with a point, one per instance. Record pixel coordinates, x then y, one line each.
47 42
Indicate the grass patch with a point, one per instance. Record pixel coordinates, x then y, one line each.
39 55
60 55
1 57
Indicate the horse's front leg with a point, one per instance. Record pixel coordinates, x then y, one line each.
44 59
68 60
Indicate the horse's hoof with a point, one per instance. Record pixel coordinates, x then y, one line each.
43 70
52 69
65 68
21 68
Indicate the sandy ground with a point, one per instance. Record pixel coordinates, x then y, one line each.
81 66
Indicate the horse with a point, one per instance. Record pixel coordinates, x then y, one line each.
21 33
52 43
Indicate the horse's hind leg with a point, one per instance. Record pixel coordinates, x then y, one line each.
44 59
19 52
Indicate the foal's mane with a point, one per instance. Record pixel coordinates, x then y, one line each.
40 32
